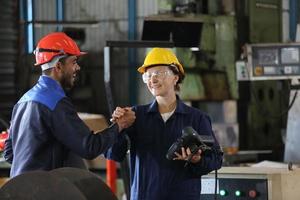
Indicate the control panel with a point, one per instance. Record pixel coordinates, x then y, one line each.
235 188
259 183
270 61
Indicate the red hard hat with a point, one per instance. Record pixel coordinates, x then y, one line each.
55 44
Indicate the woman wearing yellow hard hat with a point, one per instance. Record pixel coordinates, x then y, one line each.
157 126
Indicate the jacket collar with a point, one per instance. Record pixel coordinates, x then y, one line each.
49 82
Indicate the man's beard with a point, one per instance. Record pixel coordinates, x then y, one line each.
66 81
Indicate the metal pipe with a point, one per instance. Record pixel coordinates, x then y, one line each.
132 53
285 21
60 5
293 18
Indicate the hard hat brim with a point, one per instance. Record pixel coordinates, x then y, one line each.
143 68
81 54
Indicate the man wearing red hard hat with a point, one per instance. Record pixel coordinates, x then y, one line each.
46 132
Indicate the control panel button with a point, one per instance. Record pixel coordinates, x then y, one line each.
223 193
252 193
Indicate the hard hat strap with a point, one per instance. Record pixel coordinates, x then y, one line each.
52 63
175 66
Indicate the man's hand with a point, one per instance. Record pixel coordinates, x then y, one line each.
124 117
186 154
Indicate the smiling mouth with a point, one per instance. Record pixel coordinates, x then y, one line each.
155 86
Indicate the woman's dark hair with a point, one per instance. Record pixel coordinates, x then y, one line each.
174 68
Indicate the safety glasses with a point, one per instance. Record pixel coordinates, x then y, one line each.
156 74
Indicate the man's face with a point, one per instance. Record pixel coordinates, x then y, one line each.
69 72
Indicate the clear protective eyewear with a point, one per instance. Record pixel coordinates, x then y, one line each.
157 74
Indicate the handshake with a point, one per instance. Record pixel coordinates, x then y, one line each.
124 117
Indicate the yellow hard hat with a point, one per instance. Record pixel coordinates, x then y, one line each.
160 56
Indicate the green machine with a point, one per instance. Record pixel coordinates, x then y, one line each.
262 104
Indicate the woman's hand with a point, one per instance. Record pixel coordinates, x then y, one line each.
124 117
186 155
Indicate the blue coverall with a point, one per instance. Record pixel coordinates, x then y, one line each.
153 177
46 132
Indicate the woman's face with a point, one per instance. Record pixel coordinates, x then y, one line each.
160 80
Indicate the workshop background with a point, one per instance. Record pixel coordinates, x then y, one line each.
250 118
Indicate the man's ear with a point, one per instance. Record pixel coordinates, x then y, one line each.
58 67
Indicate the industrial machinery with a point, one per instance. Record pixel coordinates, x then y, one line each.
252 183
277 62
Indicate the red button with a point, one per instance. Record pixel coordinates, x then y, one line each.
252 193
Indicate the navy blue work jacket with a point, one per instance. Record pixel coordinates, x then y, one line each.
46 132
153 177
